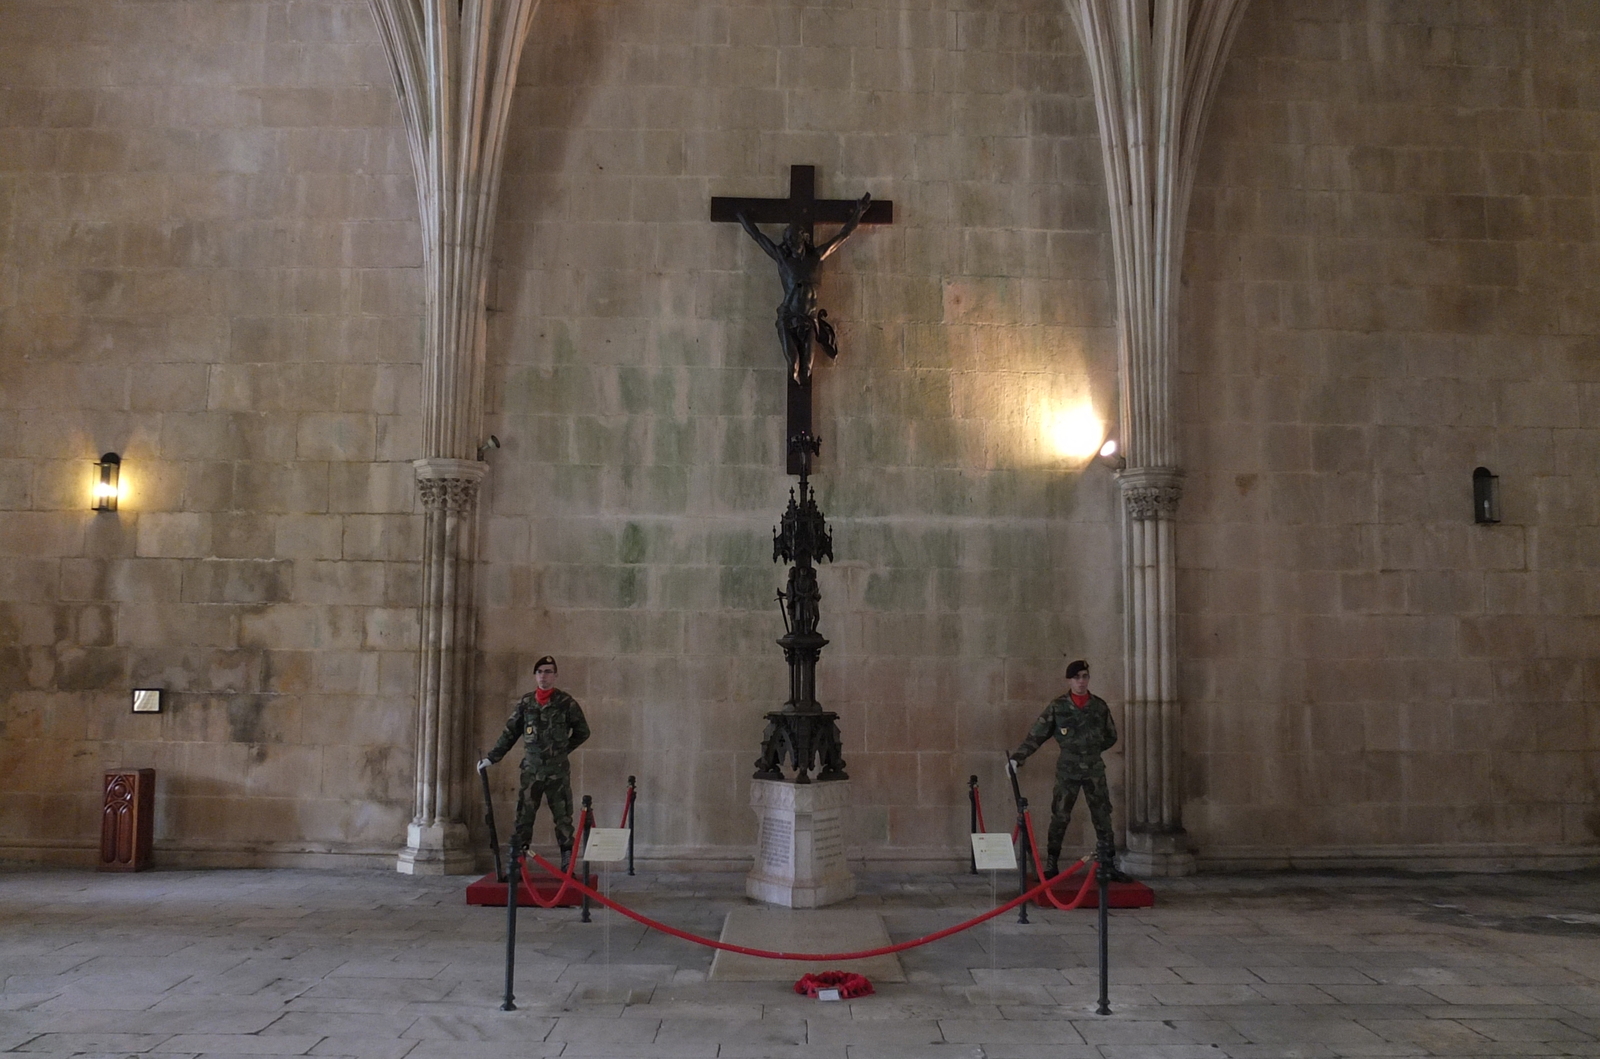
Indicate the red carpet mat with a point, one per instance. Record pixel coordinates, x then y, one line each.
1122 894
489 891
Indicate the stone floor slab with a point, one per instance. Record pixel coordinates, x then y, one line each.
379 966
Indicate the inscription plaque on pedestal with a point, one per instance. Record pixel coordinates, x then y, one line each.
800 848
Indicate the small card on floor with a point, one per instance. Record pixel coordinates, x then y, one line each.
827 994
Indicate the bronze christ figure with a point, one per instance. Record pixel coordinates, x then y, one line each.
800 321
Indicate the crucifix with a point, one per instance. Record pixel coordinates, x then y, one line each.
801 323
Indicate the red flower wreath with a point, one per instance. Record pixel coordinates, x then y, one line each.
849 984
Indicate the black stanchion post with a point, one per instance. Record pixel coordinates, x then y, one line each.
633 812
972 798
513 880
1024 850
1102 868
588 822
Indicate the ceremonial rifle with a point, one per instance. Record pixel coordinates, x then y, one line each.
488 818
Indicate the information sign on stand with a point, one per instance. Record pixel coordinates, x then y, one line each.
607 845
993 851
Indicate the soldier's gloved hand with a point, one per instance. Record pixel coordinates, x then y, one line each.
1016 758
484 764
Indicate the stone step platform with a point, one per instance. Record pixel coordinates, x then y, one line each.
1120 894
491 891
803 930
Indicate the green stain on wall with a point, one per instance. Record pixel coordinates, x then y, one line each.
746 588
632 545
674 443
898 589
633 586
563 350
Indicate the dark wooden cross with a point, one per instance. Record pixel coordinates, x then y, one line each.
803 209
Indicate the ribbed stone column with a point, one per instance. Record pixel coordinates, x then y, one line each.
455 65
1154 65
436 840
1157 843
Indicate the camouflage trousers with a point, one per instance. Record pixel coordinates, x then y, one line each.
1096 793
556 787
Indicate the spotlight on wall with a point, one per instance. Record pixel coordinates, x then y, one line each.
1109 455
108 473
146 700
1075 432
1485 496
492 443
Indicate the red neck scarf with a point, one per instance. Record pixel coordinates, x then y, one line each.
543 696
1080 701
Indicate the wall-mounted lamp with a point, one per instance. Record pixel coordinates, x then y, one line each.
492 443
107 473
1109 455
146 700
1485 496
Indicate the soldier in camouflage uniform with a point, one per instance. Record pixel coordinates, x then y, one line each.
550 724
1081 725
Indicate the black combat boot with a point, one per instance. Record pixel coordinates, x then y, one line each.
1107 856
1052 861
566 858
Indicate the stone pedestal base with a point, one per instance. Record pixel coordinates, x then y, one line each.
807 930
800 844
1158 855
439 849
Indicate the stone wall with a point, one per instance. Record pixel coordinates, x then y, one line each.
638 387
1391 281
208 264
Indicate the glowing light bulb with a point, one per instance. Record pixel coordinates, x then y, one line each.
108 474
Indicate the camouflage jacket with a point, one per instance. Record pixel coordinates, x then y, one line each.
1083 735
548 733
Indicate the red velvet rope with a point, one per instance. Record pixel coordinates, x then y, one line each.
567 881
977 801
767 954
1038 865
627 808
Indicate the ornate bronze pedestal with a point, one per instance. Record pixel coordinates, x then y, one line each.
802 733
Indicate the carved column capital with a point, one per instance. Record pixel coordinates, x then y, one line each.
449 485
1151 492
